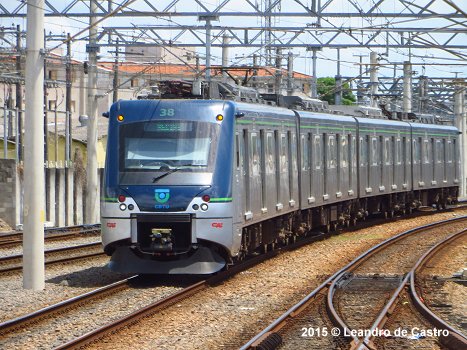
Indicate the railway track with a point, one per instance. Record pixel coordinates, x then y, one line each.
357 297
23 322
101 333
10 239
12 264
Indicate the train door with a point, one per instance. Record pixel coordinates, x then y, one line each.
238 185
427 168
397 169
317 173
246 143
293 168
269 173
417 164
438 162
455 160
444 158
407 163
282 170
363 165
374 173
305 169
449 162
343 164
255 161
330 176
352 165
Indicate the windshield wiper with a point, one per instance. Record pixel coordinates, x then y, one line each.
157 178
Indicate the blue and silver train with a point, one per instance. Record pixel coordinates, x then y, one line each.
191 186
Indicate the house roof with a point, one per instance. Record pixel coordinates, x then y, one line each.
189 72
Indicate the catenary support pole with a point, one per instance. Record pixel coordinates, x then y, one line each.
92 191
459 114
314 79
407 88
34 180
374 78
338 93
19 93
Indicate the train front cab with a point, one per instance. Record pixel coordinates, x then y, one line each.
167 206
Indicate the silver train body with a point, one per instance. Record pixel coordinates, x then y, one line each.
194 185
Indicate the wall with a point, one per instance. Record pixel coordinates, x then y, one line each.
64 189
8 191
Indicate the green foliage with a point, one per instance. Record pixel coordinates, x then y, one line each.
326 89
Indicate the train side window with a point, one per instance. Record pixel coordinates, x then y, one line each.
237 150
284 163
426 152
363 151
317 152
416 151
387 151
449 152
398 155
374 151
344 153
304 149
440 151
270 161
331 152
254 154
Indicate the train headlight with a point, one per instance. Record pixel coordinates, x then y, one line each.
122 206
120 118
195 206
131 207
204 207
219 117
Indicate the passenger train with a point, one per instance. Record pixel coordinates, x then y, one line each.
191 186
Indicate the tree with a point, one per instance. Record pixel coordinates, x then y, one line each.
327 88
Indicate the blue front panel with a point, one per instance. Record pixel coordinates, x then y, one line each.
216 181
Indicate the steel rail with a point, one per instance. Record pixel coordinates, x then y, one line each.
36 315
52 262
295 310
10 239
455 339
151 309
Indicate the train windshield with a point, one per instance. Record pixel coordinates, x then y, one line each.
187 146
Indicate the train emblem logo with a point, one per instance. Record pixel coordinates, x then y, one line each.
162 195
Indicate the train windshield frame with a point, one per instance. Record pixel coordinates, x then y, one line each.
161 146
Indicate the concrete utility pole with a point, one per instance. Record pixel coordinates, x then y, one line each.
278 77
338 93
68 121
115 80
314 78
423 94
225 57
290 88
459 113
34 180
92 186
407 88
374 78
208 20
19 95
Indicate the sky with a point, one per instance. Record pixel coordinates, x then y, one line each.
431 62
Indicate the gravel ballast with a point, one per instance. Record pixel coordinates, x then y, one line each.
223 316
